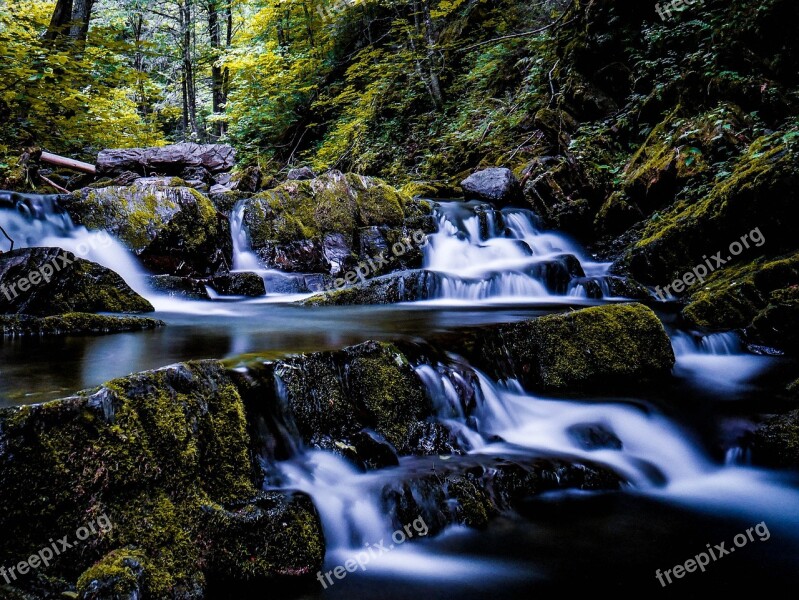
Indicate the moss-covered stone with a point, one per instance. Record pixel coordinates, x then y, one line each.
72 324
152 451
173 230
776 442
601 347
50 281
313 225
759 193
335 395
759 296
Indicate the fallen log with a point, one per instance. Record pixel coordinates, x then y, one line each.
68 163
167 160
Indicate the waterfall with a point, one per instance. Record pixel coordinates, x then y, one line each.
716 361
38 220
244 259
481 253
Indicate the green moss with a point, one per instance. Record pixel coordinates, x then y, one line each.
149 450
73 324
118 571
736 295
606 346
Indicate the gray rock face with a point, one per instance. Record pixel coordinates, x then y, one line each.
301 174
495 185
51 281
168 160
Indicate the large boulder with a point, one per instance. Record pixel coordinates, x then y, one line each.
172 230
167 160
496 184
51 281
612 346
164 457
317 226
331 398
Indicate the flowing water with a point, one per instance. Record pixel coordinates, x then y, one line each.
680 449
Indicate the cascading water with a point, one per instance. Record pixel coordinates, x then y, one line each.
244 258
480 253
716 361
38 220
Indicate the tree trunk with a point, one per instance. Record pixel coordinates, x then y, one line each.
218 96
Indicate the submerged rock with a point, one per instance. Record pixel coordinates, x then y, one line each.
72 324
496 184
172 230
51 281
601 347
165 456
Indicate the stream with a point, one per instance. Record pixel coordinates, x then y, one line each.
678 446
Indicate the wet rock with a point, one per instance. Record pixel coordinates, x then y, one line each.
468 491
167 160
301 174
186 288
239 284
776 442
406 286
601 347
172 230
165 455
312 226
336 395
50 281
72 324
498 185
594 436
369 450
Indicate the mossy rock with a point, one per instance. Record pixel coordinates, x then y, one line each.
760 192
313 225
612 346
172 230
152 451
72 324
761 296
57 282
331 397
776 442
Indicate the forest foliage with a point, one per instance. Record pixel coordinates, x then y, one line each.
363 85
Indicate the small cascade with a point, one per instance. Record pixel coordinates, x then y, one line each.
244 259
38 220
481 253
717 361
738 456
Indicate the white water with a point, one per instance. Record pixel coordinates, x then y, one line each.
482 254
716 361
244 259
